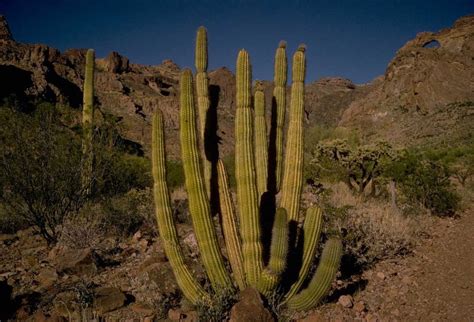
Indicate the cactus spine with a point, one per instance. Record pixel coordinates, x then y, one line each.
261 155
202 89
245 173
279 97
198 202
167 230
88 122
293 175
245 253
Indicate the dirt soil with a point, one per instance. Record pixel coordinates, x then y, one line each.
435 283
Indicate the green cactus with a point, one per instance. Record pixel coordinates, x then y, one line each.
293 174
198 201
322 279
279 98
278 253
244 245
164 216
88 122
261 148
202 90
245 173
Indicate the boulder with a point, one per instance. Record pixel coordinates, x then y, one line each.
79 262
108 299
116 63
250 308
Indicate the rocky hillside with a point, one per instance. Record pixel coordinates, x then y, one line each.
424 91
427 92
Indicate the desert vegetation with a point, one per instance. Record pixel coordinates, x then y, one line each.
260 217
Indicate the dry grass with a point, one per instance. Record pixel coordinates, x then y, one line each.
373 230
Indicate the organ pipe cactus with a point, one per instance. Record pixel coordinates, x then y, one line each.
88 122
202 90
242 227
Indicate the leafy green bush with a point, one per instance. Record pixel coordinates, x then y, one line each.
424 181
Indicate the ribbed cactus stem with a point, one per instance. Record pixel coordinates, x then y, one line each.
198 202
202 89
311 232
293 174
164 216
229 227
88 122
278 254
261 155
279 98
245 173
321 282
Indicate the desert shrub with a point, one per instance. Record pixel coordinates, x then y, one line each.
40 177
459 160
372 230
359 167
10 222
219 308
174 174
120 173
127 213
424 182
82 230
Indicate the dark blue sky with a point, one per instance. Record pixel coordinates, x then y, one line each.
353 39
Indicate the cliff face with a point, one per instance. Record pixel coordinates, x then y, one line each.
427 92
424 92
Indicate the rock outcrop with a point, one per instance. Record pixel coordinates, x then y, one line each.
422 82
427 90
5 33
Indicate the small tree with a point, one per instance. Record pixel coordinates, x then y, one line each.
358 167
41 174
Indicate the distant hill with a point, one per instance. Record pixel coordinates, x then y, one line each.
426 94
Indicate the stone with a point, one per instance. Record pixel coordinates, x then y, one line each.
345 301
381 275
250 308
116 63
359 306
80 262
47 277
142 308
5 33
108 299
174 314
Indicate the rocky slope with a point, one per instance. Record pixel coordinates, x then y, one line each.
426 94
131 92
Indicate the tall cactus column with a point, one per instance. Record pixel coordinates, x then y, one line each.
88 122
261 155
293 174
198 203
279 98
164 216
202 89
245 173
